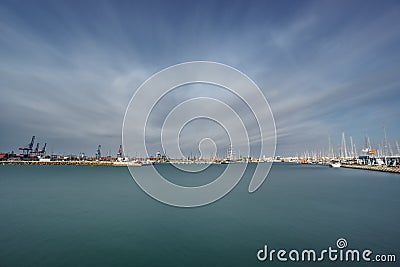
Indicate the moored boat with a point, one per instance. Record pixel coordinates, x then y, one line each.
334 164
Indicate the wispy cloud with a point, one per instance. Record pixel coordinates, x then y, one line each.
68 70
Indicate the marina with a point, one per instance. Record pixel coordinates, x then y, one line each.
383 159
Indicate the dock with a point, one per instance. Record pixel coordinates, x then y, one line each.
372 168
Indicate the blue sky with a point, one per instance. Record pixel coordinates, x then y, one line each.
68 69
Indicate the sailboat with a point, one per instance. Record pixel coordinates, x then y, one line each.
229 156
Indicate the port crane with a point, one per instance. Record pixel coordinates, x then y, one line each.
29 147
36 151
43 150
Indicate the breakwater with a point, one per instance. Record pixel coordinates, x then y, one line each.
373 168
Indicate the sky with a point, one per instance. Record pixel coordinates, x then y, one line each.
68 69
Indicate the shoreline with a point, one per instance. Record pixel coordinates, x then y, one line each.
94 163
73 163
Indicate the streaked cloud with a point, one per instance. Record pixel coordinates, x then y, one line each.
68 69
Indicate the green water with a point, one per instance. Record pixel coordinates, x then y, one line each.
98 216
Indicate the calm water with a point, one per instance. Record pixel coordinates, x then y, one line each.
98 216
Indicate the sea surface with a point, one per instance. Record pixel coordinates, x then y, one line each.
98 216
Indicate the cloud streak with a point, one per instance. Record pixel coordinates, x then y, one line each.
68 70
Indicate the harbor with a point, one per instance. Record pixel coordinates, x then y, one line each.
199 133
382 159
31 154
66 209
